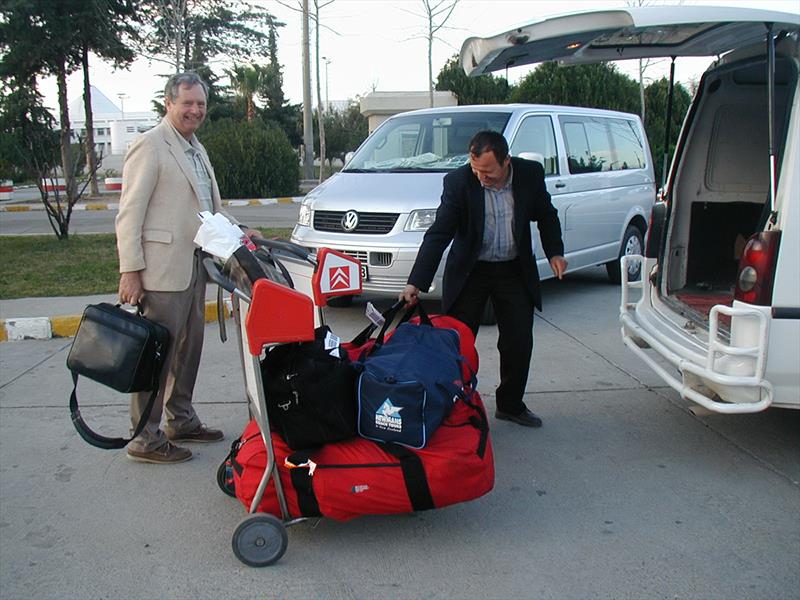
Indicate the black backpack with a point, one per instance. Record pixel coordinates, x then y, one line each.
310 393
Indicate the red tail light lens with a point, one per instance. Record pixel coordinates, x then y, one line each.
757 268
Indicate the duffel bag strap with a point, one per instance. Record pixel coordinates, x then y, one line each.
419 492
424 318
480 422
388 316
301 482
101 441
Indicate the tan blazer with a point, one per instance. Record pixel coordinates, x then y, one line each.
157 218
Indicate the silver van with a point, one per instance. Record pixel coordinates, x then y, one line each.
598 170
717 313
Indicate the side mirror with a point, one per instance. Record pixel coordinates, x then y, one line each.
348 157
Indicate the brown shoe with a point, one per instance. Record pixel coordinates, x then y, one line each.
166 454
201 435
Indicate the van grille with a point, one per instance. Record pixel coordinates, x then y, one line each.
375 223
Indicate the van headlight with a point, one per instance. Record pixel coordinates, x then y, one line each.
304 218
420 220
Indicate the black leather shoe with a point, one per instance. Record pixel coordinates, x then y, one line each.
526 418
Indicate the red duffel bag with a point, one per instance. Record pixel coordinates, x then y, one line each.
360 477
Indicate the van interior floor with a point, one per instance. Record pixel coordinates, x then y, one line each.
700 297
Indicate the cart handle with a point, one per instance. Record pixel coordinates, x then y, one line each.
289 247
217 277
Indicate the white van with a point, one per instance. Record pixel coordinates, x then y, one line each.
598 171
717 314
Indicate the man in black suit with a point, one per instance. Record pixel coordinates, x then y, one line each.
486 209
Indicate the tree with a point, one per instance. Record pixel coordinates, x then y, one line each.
436 14
186 34
345 130
103 25
24 25
246 81
486 89
593 86
28 143
656 96
251 159
320 108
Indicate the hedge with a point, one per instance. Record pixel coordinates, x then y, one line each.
250 159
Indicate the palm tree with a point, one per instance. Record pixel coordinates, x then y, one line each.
245 81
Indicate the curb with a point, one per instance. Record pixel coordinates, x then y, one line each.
115 205
45 328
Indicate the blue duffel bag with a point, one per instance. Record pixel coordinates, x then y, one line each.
409 384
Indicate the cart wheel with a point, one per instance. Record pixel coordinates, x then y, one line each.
260 540
225 478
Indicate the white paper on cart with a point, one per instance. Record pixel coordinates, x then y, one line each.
217 235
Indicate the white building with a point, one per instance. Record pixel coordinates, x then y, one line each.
114 129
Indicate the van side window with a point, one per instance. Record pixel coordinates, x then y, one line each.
588 146
627 145
535 134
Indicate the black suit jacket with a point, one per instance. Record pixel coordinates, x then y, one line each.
460 219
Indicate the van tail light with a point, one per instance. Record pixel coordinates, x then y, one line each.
655 230
757 268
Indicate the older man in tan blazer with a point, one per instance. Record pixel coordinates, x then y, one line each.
167 180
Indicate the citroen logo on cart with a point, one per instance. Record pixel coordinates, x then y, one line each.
350 220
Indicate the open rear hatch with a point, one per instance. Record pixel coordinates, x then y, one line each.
721 188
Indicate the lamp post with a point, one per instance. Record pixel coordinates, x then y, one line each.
327 101
122 97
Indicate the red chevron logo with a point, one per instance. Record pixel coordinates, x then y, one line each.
340 278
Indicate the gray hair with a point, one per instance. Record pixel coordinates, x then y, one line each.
178 79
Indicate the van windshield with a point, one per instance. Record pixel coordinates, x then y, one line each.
423 142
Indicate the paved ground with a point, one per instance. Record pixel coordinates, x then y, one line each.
623 493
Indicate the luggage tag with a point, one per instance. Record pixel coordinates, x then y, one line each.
331 344
374 315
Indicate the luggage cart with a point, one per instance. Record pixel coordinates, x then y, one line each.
273 313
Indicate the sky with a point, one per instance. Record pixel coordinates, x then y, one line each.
379 45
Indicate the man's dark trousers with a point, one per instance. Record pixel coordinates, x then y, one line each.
502 282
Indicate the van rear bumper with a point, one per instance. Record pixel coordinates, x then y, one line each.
722 377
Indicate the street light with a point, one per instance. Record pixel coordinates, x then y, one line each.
327 101
122 97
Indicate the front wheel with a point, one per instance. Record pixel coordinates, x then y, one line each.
632 243
260 540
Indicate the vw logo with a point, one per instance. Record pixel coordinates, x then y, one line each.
350 220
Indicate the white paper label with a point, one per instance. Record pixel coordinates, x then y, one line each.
374 315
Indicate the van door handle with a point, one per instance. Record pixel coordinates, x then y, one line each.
560 184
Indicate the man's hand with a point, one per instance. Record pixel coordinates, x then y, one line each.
130 288
410 294
559 266
251 233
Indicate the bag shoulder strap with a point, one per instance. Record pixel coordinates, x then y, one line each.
101 441
419 492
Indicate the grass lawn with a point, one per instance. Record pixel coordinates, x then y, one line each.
41 265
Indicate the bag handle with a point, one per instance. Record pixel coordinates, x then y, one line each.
388 315
101 441
417 307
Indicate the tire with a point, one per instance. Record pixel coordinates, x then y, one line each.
632 243
340 301
488 317
260 540
225 478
